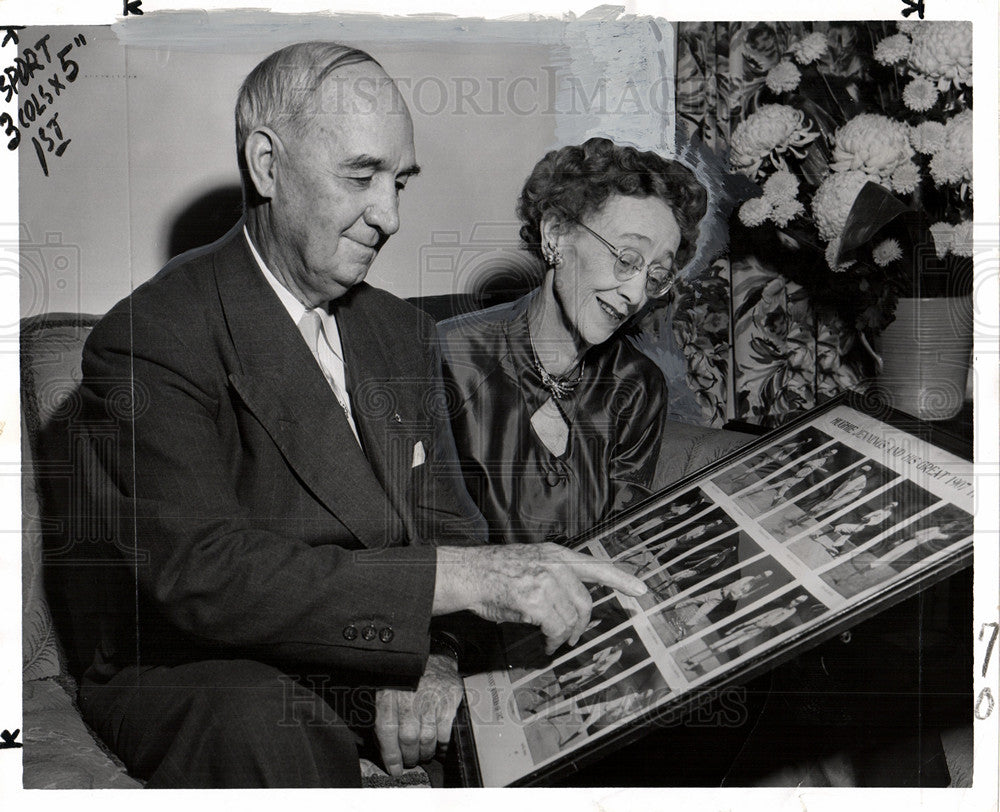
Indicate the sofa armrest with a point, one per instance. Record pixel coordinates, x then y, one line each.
59 750
685 449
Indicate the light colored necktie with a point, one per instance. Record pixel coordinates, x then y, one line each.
313 331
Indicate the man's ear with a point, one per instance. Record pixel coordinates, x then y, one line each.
261 154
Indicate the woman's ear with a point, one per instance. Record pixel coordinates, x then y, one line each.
261 152
551 229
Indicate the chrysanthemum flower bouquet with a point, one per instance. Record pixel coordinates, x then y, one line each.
865 173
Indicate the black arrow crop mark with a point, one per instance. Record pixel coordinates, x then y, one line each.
8 740
10 33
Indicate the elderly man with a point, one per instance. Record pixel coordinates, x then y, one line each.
278 473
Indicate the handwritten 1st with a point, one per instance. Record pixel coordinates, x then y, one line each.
35 100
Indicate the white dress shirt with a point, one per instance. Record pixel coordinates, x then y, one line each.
324 342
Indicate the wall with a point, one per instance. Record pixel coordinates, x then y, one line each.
75 235
150 122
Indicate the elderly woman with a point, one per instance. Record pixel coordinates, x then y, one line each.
556 417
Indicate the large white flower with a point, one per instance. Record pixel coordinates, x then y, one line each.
782 185
920 95
809 48
892 49
833 200
947 169
786 210
887 251
755 211
927 137
942 51
831 257
783 77
962 244
905 178
872 143
943 235
769 134
952 163
958 138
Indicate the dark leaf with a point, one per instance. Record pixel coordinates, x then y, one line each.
819 115
748 304
764 351
816 163
804 236
787 241
874 208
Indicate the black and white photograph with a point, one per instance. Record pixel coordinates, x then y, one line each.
657 550
659 520
875 563
714 600
846 531
740 476
750 631
694 566
584 670
571 724
385 378
795 479
833 494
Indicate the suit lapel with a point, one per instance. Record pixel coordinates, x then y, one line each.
369 371
380 413
280 382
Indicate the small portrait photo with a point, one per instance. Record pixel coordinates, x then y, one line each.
842 533
586 669
563 728
524 645
835 494
682 509
600 592
781 487
704 654
746 472
713 601
873 566
696 566
660 549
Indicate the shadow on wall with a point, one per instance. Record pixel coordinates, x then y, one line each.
205 219
209 216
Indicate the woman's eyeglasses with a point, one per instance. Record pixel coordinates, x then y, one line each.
629 263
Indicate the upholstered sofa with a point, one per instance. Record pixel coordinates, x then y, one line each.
59 750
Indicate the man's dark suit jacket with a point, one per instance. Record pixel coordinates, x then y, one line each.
251 522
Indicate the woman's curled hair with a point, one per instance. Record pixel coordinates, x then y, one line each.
575 181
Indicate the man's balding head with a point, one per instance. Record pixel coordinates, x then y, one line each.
326 147
283 91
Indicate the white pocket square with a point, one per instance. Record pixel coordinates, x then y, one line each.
418 454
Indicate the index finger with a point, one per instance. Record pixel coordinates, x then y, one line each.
590 570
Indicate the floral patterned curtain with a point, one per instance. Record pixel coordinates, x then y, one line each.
777 357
